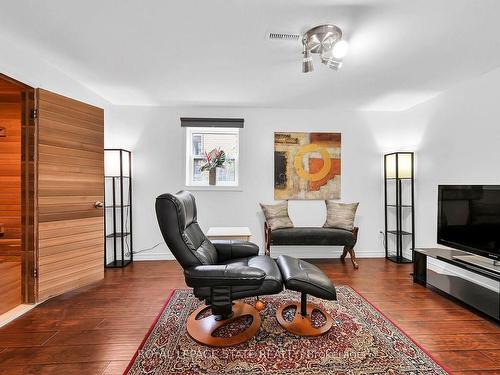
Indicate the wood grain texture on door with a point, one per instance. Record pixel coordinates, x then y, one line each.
10 196
70 181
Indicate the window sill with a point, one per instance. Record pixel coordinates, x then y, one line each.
212 188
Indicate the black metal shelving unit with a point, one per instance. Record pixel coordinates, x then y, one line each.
118 250
399 172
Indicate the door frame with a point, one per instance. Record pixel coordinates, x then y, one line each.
28 190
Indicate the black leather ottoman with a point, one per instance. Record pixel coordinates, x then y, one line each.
307 279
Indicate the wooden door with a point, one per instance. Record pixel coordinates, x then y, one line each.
70 182
10 196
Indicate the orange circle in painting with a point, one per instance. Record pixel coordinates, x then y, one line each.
299 168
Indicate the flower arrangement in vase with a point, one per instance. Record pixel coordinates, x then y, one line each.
213 160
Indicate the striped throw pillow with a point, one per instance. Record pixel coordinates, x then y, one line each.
340 215
277 215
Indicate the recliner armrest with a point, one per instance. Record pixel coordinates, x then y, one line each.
231 249
223 275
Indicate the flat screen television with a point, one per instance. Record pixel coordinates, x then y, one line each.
469 218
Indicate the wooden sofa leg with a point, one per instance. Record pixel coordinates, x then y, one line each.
344 253
267 239
267 250
352 254
353 258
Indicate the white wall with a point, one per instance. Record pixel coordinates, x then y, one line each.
460 144
31 68
455 137
157 141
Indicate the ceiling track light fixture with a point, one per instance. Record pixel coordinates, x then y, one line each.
325 40
307 61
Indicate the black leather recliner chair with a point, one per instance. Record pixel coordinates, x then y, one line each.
219 271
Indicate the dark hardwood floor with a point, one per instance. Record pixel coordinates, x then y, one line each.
96 330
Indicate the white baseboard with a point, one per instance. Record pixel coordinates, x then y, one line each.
295 251
323 252
164 255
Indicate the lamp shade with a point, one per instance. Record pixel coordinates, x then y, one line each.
399 165
113 162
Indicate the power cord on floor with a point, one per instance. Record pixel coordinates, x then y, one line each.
148 249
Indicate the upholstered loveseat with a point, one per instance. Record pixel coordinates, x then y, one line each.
313 236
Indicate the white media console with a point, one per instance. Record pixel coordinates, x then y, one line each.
470 278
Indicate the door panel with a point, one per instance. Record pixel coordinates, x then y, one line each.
70 180
10 196
10 287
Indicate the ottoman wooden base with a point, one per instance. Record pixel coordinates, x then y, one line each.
301 324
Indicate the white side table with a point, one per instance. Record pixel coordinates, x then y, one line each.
229 233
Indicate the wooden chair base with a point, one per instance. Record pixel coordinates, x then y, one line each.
301 325
202 330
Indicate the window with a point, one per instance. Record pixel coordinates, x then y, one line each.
199 142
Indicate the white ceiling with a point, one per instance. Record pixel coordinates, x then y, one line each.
216 52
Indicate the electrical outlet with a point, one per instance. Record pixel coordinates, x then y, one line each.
382 237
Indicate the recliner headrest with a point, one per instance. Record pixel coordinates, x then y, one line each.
176 214
186 207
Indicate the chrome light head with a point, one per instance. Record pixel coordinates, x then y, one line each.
325 40
307 63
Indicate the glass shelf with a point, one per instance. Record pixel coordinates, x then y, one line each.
402 232
399 206
118 235
118 263
118 244
396 259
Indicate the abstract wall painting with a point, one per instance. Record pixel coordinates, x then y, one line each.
307 165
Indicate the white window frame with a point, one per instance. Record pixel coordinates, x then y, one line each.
188 171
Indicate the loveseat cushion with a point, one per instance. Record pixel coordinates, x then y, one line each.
314 236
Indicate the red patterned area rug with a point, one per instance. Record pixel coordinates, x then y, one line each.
361 341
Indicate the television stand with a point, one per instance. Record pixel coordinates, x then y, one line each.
475 282
479 261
